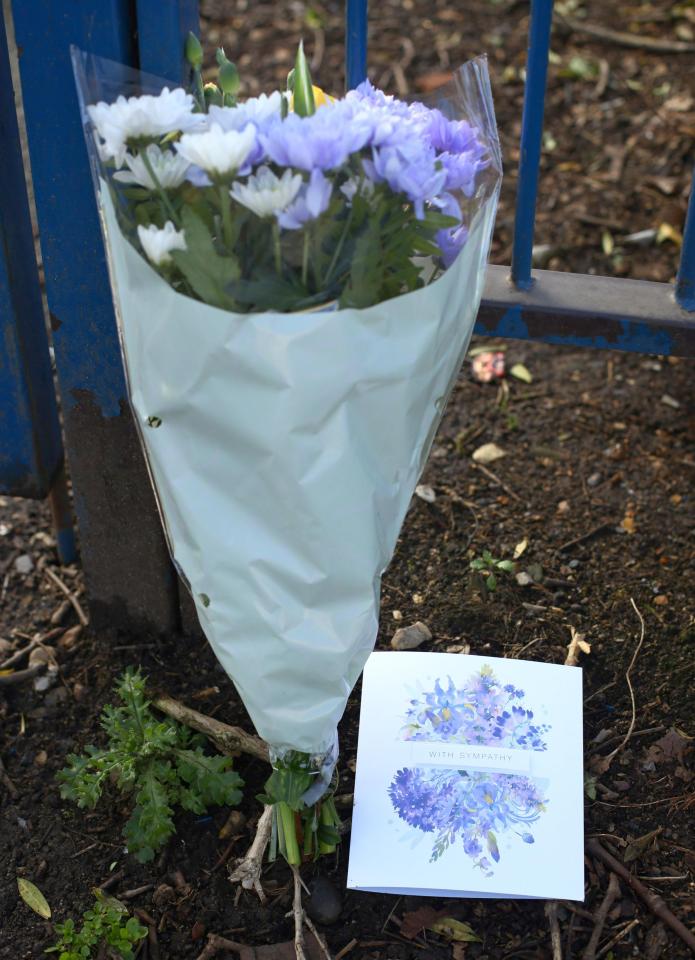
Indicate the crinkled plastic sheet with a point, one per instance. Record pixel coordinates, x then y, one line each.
285 448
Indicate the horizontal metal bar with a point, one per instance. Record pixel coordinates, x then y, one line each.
685 281
355 43
531 139
586 311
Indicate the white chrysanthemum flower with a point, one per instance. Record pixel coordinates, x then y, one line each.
353 184
158 244
216 151
143 117
266 194
256 110
168 167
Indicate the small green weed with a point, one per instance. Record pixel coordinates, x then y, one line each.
160 763
487 568
105 925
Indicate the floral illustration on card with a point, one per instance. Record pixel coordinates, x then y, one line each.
472 807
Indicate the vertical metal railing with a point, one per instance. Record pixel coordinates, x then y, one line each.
531 141
355 43
685 281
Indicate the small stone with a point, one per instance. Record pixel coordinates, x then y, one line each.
563 507
524 579
418 599
425 492
464 648
408 638
573 564
670 402
41 758
56 697
397 615
325 903
661 600
593 480
24 564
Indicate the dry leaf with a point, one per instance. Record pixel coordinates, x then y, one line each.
454 930
639 846
33 898
488 453
520 548
672 746
521 373
668 232
416 921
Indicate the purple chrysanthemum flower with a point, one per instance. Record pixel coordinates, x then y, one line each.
313 200
325 140
409 168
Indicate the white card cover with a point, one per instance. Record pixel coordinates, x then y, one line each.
469 778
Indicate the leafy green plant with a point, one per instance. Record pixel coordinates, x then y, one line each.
105 925
160 763
487 569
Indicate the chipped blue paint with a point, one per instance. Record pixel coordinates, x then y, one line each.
634 337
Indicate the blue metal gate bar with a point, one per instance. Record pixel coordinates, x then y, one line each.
31 450
129 576
162 30
531 137
586 311
685 281
355 43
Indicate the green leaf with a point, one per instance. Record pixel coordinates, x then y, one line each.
151 823
454 930
491 582
33 898
304 104
208 273
507 565
288 786
366 272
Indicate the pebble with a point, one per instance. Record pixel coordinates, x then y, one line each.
464 648
524 579
573 564
325 903
24 564
593 480
408 638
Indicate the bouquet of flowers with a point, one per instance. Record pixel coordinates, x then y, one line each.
296 279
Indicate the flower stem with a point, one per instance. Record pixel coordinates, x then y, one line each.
289 834
276 248
160 189
226 208
305 258
339 247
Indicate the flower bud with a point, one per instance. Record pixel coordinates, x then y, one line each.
304 104
228 78
213 95
193 51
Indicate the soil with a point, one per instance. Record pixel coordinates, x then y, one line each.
596 477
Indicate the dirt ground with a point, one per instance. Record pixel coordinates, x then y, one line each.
596 477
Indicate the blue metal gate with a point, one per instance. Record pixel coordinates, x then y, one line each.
130 578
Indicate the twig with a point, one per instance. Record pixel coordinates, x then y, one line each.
612 893
298 912
652 900
619 936
81 615
226 738
216 943
152 941
555 939
601 528
655 44
346 949
496 480
20 675
17 656
112 880
247 871
607 760
5 778
317 936
131 894
574 647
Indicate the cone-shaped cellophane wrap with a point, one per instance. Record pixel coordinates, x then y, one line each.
284 448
